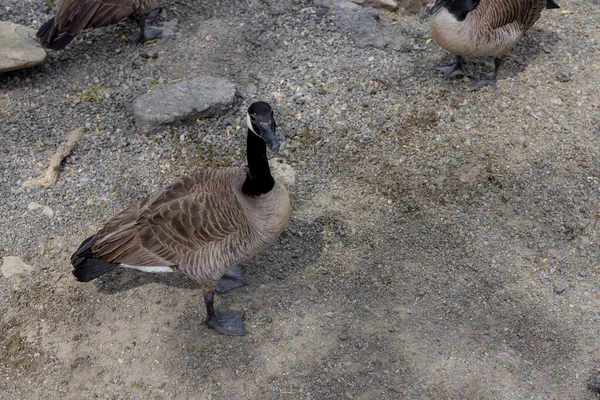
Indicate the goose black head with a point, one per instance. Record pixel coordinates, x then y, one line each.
261 122
458 8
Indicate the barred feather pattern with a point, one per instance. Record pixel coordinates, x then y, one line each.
491 29
75 16
202 224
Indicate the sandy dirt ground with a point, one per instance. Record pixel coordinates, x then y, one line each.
444 243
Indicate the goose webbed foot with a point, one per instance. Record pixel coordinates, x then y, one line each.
488 81
231 279
453 70
143 34
479 83
227 322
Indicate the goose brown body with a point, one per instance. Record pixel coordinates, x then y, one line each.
201 225
491 29
75 16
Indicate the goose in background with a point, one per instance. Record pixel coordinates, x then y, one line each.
202 226
481 28
75 16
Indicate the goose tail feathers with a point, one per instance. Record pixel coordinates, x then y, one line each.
85 267
53 38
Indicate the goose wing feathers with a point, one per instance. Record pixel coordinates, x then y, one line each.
186 217
500 13
78 15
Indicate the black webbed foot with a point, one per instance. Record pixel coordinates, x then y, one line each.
149 34
227 322
231 279
453 70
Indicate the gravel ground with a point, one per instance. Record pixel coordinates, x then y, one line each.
444 242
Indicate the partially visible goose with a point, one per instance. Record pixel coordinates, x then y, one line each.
481 28
75 16
201 225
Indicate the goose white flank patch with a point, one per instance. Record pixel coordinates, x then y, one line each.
203 225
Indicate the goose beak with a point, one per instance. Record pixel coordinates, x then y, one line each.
438 4
267 132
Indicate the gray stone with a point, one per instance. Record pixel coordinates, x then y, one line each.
12 266
560 286
362 26
18 48
200 97
594 384
47 211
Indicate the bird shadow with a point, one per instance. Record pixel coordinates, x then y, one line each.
533 45
299 245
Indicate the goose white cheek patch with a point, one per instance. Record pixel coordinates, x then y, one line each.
249 123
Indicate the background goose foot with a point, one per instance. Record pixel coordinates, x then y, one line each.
231 280
453 70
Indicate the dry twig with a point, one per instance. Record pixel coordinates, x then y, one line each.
50 177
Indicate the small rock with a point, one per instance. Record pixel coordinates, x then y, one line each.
582 274
200 97
594 384
519 141
250 90
563 76
343 336
47 211
18 48
12 266
560 286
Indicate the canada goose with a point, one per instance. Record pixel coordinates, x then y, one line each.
480 28
201 225
74 16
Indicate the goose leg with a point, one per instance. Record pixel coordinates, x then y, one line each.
455 69
491 81
144 33
227 322
231 280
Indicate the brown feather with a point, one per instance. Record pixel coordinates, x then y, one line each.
75 16
203 224
491 29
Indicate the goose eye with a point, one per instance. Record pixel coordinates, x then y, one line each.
253 117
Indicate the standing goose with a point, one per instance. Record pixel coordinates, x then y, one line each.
481 28
201 225
75 16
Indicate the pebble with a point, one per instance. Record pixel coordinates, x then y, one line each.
563 76
47 211
594 384
560 286
343 336
12 265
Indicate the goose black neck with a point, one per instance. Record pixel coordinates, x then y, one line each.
258 179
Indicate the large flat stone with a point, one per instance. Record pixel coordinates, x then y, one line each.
18 48
200 97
